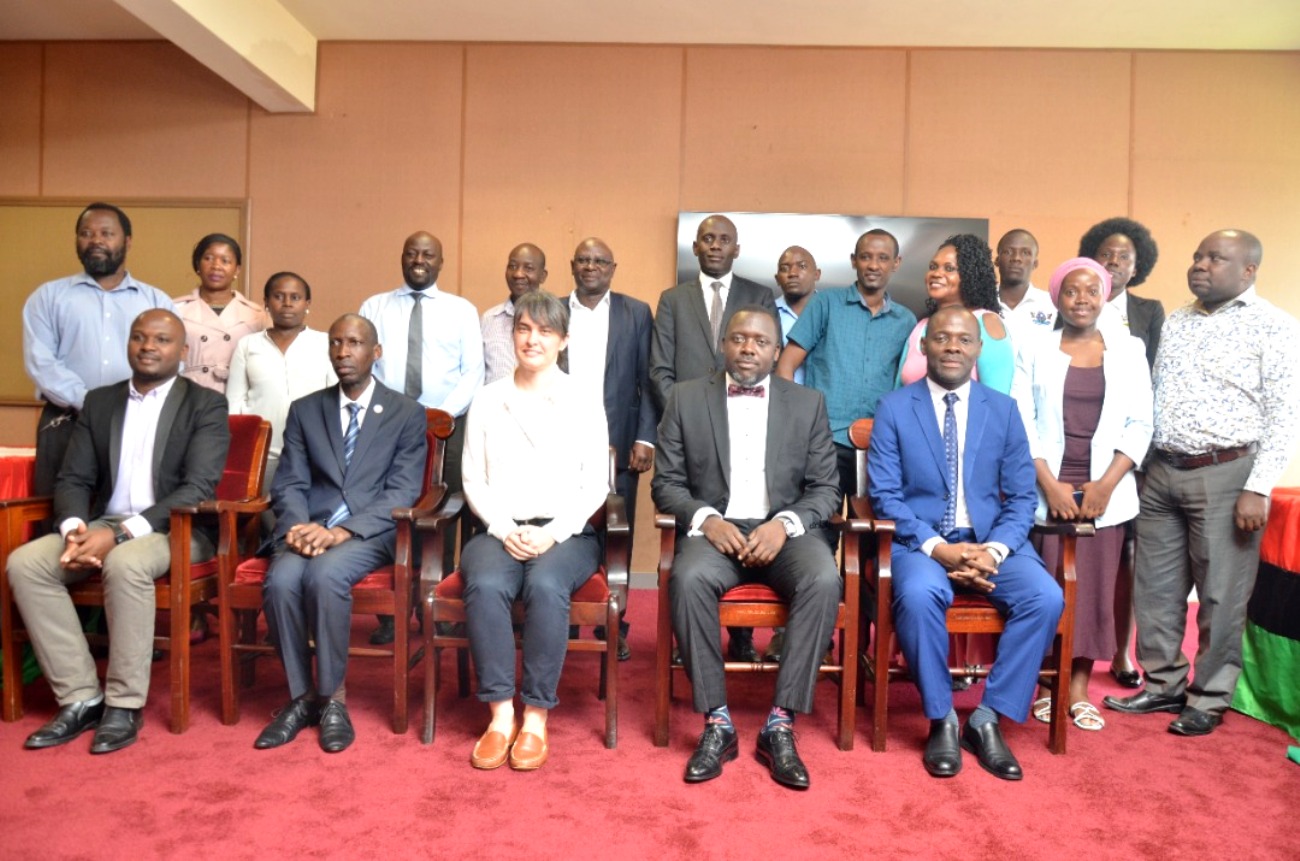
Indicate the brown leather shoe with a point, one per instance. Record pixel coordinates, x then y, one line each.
491 750
529 752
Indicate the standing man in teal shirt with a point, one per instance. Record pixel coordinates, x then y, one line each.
848 340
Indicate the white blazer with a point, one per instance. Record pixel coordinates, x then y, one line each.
1125 424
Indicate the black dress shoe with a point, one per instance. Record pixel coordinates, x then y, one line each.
741 647
385 633
1145 703
943 749
624 651
775 646
717 745
292 719
336 731
776 748
994 755
1193 721
71 721
117 729
1126 678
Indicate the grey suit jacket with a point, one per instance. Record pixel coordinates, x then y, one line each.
387 466
681 348
693 459
189 454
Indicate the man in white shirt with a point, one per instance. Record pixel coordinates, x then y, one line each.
433 352
609 356
751 497
525 270
139 448
1026 308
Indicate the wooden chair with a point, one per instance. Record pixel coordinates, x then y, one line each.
190 584
387 590
756 605
969 614
595 603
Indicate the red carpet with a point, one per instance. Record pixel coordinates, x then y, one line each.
1131 790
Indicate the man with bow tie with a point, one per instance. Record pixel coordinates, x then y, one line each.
746 466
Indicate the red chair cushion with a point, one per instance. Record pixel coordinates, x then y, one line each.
252 572
971 602
751 593
595 590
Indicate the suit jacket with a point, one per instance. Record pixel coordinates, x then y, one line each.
189 453
908 472
693 459
1146 317
629 407
387 466
681 348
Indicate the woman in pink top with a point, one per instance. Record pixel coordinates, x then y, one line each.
216 315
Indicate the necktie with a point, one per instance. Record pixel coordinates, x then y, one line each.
415 350
715 313
349 446
735 390
950 454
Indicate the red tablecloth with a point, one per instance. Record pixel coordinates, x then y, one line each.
16 465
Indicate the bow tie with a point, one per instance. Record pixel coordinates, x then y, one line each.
735 391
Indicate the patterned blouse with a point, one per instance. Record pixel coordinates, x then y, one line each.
1227 379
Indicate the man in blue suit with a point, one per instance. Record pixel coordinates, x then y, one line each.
352 453
949 464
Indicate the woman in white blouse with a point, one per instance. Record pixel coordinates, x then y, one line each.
1085 398
272 368
216 315
535 468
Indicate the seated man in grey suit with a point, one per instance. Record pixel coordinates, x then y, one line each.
686 343
139 448
747 468
352 453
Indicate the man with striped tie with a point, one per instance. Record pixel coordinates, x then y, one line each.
352 453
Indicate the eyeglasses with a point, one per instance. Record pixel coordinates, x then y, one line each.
598 262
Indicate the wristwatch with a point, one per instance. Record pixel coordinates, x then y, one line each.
120 535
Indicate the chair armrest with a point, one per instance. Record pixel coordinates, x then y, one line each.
860 508
255 505
1065 527
434 529
617 530
424 506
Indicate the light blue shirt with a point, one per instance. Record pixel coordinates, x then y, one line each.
852 354
75 334
788 319
453 345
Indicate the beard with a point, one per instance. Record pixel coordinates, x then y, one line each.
98 266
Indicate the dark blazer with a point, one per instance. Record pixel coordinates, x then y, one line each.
629 406
1146 317
189 453
680 349
387 465
693 459
908 472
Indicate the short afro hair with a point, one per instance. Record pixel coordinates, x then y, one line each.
1143 245
979 286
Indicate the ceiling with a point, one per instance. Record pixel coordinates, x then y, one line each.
1271 25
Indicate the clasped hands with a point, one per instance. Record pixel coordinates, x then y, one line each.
754 551
313 539
968 564
84 548
528 542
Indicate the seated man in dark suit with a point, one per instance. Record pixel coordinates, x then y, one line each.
747 468
139 448
352 453
949 464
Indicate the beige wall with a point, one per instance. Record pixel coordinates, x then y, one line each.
490 145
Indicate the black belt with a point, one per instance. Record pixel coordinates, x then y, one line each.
1209 458
536 521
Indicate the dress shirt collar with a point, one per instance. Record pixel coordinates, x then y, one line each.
363 400
128 283
761 384
706 281
854 297
937 392
159 392
575 304
1246 297
431 291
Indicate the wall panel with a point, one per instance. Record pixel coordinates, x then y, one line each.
20 129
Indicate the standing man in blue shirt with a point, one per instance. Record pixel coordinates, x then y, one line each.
75 332
797 276
433 352
848 341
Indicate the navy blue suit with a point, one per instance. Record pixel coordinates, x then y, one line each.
909 485
313 596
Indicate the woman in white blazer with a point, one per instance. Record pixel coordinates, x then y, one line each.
1085 398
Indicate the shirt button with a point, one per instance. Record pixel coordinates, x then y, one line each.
203 337
227 337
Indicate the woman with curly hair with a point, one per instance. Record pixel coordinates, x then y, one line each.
1128 252
961 273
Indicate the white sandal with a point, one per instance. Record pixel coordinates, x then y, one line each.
1086 717
1043 709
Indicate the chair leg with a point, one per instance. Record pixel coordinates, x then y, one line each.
12 674
226 650
848 685
432 657
1060 701
881 653
248 634
401 669
609 674
179 657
